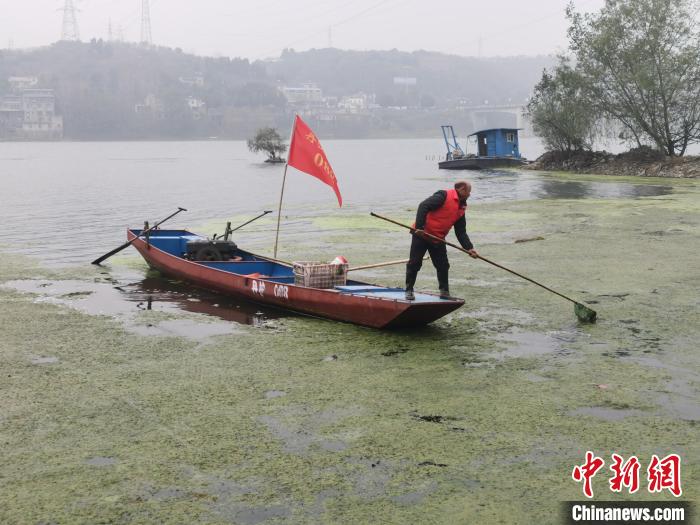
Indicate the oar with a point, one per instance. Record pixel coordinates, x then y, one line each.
251 220
583 313
228 231
128 243
379 265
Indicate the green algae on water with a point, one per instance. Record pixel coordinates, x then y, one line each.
451 423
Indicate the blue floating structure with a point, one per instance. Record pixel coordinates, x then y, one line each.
496 148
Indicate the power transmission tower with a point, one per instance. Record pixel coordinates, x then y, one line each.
70 22
145 23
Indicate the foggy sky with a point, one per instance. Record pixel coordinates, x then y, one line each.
258 29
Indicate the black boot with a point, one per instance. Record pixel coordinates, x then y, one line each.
443 283
411 276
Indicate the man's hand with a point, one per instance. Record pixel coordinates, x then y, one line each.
472 253
421 234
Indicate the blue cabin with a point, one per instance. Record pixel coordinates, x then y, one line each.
497 142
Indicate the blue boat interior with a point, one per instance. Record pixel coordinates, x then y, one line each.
250 265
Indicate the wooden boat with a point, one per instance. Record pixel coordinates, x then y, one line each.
265 281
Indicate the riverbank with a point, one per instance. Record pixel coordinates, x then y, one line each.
477 419
639 162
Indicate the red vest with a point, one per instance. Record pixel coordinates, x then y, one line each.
440 221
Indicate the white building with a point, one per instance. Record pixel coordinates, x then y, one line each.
18 84
40 119
30 115
304 95
196 80
356 103
151 105
197 106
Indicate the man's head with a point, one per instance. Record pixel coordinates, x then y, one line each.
464 189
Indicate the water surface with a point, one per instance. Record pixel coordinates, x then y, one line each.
67 203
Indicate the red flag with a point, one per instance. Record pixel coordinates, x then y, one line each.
306 154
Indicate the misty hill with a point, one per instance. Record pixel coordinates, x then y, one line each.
110 90
115 90
444 78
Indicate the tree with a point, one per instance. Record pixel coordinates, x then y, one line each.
269 141
560 114
640 62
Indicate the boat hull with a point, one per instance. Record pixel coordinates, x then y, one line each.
365 310
480 163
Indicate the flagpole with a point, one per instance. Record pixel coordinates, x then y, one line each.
284 178
279 210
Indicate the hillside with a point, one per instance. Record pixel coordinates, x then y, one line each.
445 78
110 90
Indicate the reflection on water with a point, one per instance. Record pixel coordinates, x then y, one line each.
524 185
555 189
152 292
124 298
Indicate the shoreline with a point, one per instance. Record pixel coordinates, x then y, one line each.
639 162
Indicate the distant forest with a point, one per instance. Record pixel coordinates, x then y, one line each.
111 90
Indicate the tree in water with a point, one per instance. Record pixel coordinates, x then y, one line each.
269 141
640 63
560 114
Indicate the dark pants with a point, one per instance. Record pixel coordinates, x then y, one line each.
438 254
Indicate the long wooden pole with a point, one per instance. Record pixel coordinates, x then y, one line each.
582 311
379 265
284 178
279 210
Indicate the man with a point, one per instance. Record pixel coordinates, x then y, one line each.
436 215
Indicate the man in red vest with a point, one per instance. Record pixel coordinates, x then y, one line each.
437 215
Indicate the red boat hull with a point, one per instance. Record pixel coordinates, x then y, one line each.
333 304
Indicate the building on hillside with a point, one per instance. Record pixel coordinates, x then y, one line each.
357 103
40 119
19 84
196 80
151 105
30 115
198 108
306 95
11 117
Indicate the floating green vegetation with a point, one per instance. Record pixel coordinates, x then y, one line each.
477 419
